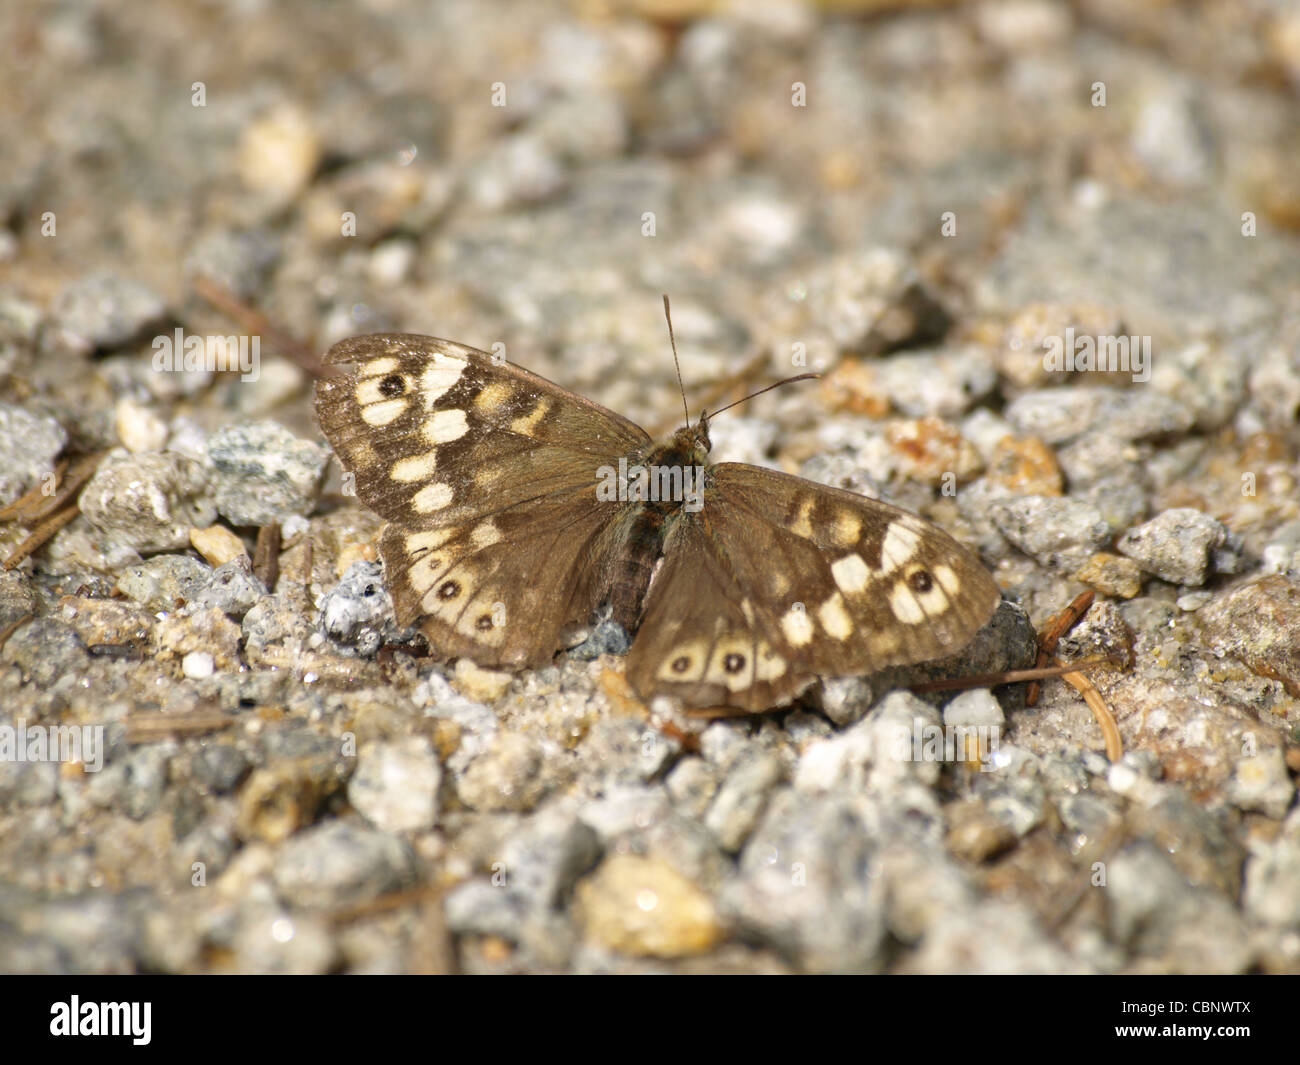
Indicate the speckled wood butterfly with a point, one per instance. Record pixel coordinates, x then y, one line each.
518 511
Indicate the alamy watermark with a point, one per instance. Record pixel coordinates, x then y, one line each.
1104 354
651 484
926 742
53 743
179 353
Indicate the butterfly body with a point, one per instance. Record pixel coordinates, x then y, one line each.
518 511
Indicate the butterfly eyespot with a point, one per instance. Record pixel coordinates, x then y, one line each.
484 622
681 664
392 385
733 663
920 582
448 590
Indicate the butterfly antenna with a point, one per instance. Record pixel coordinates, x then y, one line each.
778 384
668 314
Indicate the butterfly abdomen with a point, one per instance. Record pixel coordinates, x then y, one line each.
634 564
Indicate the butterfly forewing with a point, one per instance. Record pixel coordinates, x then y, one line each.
487 474
436 433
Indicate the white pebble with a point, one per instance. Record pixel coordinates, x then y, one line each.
197 664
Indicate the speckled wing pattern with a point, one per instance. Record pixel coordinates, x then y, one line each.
485 474
497 541
777 581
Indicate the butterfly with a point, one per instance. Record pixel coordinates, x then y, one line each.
518 512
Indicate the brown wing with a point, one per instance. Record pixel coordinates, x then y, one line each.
796 580
487 474
437 433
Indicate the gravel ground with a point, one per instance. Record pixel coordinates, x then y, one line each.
934 208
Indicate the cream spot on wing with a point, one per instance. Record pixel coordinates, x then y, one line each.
685 662
448 594
846 529
905 606
796 626
732 663
851 574
779 582
369 391
802 524
933 602
378 414
414 468
485 534
747 608
834 618
493 396
426 569
479 625
947 579
428 539
900 545
432 497
380 367
770 664
443 426
486 477
526 425
439 376
884 643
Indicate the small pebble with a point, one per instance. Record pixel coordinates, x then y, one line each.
217 544
1182 546
197 665
645 908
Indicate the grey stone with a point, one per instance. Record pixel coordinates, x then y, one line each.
263 473
1272 878
990 938
105 311
807 888
148 501
1057 415
358 610
232 588
874 301
28 783
942 384
1183 546
46 649
337 864
29 445
844 699
1167 922
272 940
741 799
238 260
219 767
511 773
395 785
160 582
626 751
691 784
1058 532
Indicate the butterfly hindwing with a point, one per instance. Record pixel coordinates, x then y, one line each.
833 583
502 589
